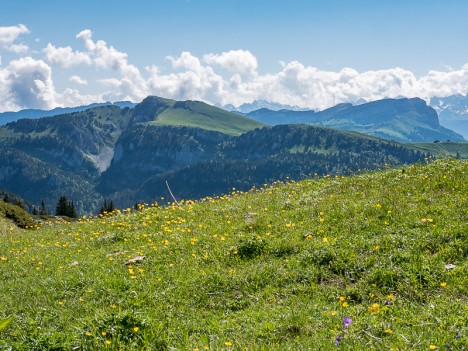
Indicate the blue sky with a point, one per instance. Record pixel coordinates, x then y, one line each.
306 53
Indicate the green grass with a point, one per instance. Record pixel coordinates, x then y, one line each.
444 149
274 269
198 114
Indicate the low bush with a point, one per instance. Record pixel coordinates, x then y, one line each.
19 216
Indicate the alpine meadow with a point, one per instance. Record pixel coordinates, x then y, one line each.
367 262
219 175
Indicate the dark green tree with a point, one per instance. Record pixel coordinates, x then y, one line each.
72 210
43 210
107 207
65 208
62 206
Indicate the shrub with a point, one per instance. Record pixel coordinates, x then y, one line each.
19 216
251 247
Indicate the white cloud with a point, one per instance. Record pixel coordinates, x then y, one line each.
72 97
78 80
65 56
236 61
217 78
26 83
443 84
111 82
104 56
132 85
192 80
18 48
9 34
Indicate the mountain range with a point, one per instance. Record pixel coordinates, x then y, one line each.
6 117
453 112
128 154
259 104
404 120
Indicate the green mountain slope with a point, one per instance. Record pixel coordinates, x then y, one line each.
275 269
404 120
200 163
197 114
36 180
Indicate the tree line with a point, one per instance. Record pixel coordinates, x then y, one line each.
64 206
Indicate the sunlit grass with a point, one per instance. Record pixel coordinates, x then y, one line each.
278 268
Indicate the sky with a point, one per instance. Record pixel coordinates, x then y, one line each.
306 53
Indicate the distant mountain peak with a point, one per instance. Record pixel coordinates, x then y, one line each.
453 112
259 104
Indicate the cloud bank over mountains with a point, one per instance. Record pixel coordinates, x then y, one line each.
231 77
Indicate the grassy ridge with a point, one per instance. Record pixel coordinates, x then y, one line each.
201 115
444 149
276 269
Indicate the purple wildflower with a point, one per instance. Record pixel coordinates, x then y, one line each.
338 339
347 321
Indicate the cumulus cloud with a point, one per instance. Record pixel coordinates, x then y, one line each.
78 80
442 84
236 61
229 77
192 80
18 48
9 34
104 56
65 56
132 85
26 83
73 97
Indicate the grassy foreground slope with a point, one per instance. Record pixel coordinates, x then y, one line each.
276 269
